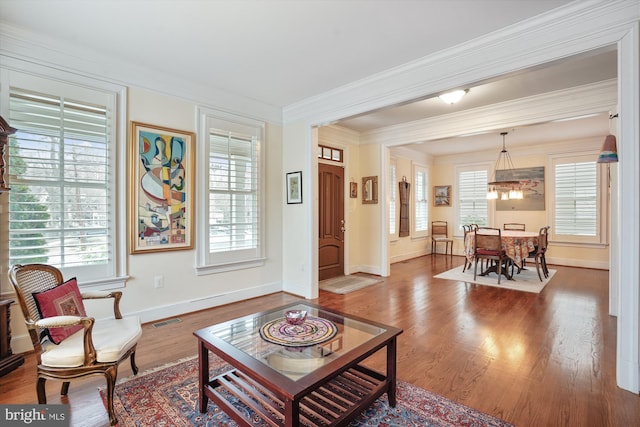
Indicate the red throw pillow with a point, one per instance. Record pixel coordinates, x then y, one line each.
63 300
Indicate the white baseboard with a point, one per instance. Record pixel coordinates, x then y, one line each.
188 306
411 255
572 262
22 343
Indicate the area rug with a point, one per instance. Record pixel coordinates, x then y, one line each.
167 396
346 284
527 280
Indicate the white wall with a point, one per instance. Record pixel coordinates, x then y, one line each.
577 28
183 290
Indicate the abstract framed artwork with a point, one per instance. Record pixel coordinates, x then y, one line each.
442 195
161 185
294 187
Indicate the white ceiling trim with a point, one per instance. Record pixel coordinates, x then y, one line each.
30 48
582 100
576 27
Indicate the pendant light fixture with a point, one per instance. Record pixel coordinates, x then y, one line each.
508 189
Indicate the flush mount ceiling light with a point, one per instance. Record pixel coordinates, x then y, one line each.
509 189
453 97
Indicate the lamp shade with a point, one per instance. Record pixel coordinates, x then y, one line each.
452 97
609 151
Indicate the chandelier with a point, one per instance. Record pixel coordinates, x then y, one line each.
508 189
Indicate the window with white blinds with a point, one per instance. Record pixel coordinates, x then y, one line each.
234 212
393 190
420 206
61 173
472 197
576 199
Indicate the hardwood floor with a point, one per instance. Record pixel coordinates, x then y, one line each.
543 359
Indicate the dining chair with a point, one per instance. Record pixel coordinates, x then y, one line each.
69 344
440 234
466 230
488 246
539 254
514 226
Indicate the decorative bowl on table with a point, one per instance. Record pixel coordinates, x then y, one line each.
295 317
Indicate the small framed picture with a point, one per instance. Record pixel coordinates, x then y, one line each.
294 187
353 190
442 195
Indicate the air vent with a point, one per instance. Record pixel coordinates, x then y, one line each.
167 322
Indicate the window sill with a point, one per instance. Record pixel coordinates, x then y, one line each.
103 285
203 270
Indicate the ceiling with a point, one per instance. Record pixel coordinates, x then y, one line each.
281 52
275 51
591 67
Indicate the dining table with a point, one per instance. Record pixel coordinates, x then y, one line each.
517 245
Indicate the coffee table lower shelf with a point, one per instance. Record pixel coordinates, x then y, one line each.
331 404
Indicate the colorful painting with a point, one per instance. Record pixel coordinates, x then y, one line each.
161 182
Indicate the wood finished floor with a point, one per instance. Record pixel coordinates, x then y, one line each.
543 359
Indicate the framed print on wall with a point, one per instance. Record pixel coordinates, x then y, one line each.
442 195
161 186
294 187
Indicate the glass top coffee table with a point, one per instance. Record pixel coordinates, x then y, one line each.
291 375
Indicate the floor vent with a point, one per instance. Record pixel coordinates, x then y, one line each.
167 322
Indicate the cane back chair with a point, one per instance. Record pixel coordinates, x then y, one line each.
488 246
96 349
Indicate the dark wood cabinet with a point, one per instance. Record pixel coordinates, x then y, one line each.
8 360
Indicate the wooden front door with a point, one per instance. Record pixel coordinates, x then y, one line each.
331 221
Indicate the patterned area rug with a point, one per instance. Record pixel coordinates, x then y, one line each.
527 280
346 284
167 396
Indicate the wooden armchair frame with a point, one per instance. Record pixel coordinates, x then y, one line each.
27 279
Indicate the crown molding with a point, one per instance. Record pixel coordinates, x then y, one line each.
581 100
24 50
575 27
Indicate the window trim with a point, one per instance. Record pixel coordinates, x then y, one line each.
34 77
470 167
393 190
415 169
601 238
203 264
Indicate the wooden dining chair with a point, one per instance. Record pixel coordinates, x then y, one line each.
514 226
440 234
466 230
488 246
539 254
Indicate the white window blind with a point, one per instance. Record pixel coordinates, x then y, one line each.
233 192
420 201
393 190
472 197
233 206
61 180
576 199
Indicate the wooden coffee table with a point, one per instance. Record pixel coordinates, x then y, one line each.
296 375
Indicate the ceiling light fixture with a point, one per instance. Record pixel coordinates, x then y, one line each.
509 188
453 97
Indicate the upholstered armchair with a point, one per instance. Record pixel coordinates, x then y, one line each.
68 343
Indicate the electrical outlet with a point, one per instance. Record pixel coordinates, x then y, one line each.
158 282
